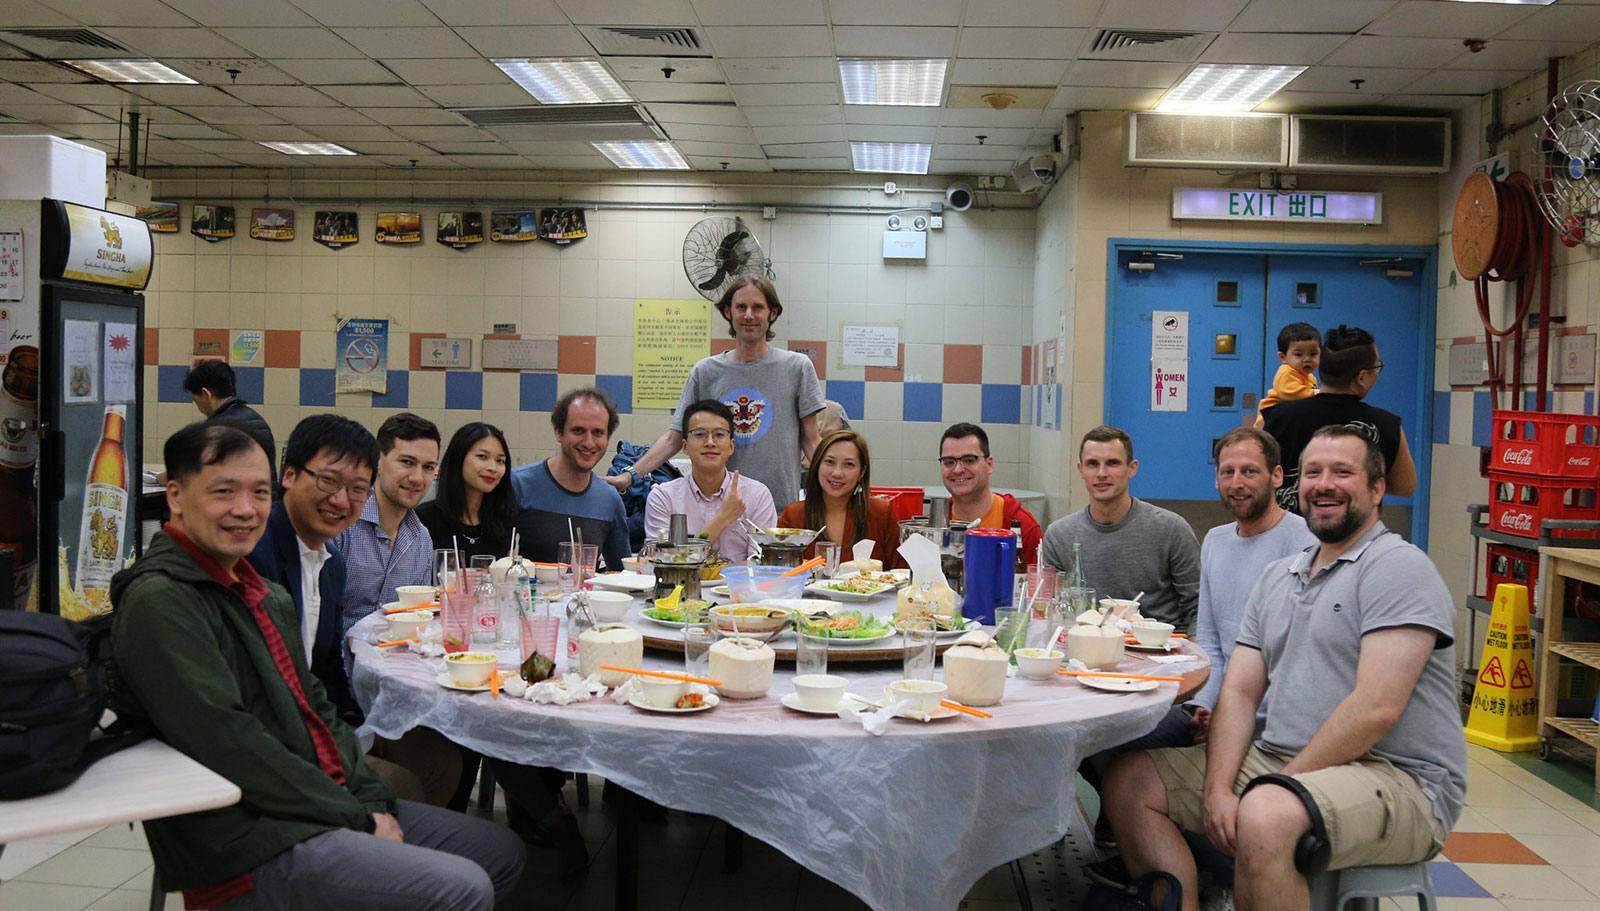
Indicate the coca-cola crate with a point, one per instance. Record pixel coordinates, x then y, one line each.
1516 565
1519 503
1542 443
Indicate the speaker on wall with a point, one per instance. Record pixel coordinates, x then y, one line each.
958 197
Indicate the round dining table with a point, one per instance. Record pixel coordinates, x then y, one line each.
907 819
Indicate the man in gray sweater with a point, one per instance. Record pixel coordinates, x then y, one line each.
1129 546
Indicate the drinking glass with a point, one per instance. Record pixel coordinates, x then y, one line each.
919 637
811 645
1041 582
540 633
698 637
445 566
458 617
1080 599
587 558
1011 628
481 561
829 552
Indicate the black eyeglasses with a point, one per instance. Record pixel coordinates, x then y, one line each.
330 484
1375 367
966 461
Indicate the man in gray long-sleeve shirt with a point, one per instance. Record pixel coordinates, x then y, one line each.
1129 546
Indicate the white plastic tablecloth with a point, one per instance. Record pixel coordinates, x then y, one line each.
910 819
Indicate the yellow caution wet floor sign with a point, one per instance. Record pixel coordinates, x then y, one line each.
1505 703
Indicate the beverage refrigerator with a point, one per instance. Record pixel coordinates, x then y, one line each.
74 358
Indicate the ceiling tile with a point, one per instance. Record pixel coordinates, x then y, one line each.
1373 50
973 152
352 133
719 149
284 96
1346 16
1271 48
1014 118
1557 23
758 41
1123 73
1078 98
780 69
893 41
377 96
1033 14
245 71
1431 102
959 168
443 133
392 13
1323 102
824 132
472 70
466 160
813 163
974 71
406 42
742 12
628 12
1013 43
337 72
207 95
70 92
186 131
527 41
801 93
389 148
1426 19
227 115
716 114
31 14
38 71
795 115
684 69
193 160
239 13
537 149
321 116
1509 54
997 136
152 13
591 162
682 92
173 42
702 132
895 12
1477 82
290 43
413 116
867 132
727 164
497 12
477 96
1172 14
451 147
1377 80
806 149
271 133
892 115
224 146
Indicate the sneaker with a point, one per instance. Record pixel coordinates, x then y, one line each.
1110 872
1216 898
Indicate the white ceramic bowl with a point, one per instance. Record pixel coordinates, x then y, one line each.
924 694
819 691
609 607
409 625
1152 633
1038 663
660 692
470 668
546 573
414 595
1124 608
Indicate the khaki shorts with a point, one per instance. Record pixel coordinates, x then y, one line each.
1374 813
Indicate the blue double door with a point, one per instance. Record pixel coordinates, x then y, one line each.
1236 303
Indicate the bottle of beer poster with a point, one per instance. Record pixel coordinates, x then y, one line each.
105 511
19 450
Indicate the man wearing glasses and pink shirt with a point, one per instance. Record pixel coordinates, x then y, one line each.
712 497
966 466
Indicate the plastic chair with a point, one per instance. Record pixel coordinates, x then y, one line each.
906 501
1359 888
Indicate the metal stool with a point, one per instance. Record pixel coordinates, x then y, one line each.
1359 888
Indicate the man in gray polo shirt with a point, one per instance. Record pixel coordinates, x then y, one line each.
1362 759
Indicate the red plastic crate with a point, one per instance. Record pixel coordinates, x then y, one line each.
1516 565
907 501
1519 503
1542 443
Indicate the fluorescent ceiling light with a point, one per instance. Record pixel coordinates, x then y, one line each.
643 154
908 82
308 148
1214 88
891 157
130 71
564 80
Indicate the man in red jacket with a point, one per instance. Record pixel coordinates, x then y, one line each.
966 466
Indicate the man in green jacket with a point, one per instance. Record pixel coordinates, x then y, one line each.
212 655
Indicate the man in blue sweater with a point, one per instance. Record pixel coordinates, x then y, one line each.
562 489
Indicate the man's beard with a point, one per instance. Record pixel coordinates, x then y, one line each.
1332 531
1249 512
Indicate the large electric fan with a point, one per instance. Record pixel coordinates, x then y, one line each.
1569 142
718 250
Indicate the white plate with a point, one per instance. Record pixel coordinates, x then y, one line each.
721 591
1172 645
1119 684
675 624
637 701
951 633
626 582
444 680
938 714
792 701
835 641
821 588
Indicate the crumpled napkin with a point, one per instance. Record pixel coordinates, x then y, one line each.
1073 664
630 686
876 721
1173 659
430 644
564 690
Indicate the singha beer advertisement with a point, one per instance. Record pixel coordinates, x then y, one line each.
106 248
104 545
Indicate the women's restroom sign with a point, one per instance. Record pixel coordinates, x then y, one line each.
1169 360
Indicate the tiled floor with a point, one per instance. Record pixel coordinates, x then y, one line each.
1529 840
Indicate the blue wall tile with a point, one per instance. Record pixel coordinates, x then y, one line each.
169 384
851 394
250 383
1441 416
1058 407
399 394
538 392
1482 419
1002 403
1588 403
463 390
619 387
923 402
316 387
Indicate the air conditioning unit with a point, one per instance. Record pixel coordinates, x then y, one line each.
1163 140
1369 145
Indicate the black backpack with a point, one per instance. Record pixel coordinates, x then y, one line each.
53 689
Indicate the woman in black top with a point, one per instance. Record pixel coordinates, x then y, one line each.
475 507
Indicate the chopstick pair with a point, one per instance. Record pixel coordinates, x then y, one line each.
965 710
431 605
1067 673
1131 638
665 675
392 642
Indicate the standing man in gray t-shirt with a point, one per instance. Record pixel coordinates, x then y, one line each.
1129 546
1361 760
774 394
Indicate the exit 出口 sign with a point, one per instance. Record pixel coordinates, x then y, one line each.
1278 205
